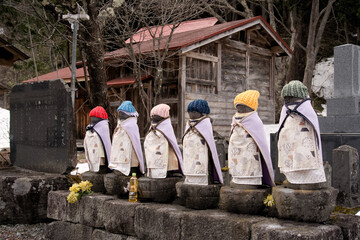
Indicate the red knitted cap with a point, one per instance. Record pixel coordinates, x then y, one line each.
98 112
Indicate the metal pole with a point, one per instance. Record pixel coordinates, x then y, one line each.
73 63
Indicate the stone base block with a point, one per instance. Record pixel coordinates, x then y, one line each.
305 205
24 193
70 231
157 190
246 201
198 196
116 184
349 224
97 180
274 229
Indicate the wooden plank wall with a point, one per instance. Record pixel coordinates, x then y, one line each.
242 68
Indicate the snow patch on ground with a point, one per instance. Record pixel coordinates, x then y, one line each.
4 128
323 79
270 128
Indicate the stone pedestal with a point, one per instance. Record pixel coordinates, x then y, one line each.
346 176
305 205
157 190
116 184
198 196
245 201
97 180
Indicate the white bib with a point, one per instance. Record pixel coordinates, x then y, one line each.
196 158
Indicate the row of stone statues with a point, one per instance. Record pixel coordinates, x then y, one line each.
249 160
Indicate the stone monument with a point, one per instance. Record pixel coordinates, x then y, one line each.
42 127
343 110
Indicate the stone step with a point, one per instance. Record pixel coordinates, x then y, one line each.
122 219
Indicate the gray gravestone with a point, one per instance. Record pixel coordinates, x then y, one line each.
343 112
346 175
42 127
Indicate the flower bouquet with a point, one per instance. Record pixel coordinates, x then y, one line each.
77 190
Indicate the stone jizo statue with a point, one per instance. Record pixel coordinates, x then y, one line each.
162 153
201 162
248 155
126 152
97 143
299 142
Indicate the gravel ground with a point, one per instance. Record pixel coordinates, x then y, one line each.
23 232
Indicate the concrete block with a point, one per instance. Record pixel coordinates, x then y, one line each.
115 184
349 224
343 106
120 215
246 201
346 176
157 190
158 221
100 235
23 195
60 230
97 180
198 196
304 205
92 209
215 224
286 230
60 209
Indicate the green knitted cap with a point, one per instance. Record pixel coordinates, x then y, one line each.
295 88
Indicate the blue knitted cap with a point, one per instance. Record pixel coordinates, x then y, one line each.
128 108
199 105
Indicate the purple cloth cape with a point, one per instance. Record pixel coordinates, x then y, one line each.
305 108
132 129
102 129
205 129
255 127
167 130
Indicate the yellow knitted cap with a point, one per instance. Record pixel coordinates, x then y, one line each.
248 98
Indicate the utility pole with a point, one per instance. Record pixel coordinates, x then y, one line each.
73 19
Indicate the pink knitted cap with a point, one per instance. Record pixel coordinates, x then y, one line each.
161 110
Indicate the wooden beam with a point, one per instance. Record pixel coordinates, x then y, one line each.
246 47
218 69
201 56
247 62
219 36
200 81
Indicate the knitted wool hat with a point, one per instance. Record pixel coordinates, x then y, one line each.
98 112
199 105
295 88
161 110
127 108
248 98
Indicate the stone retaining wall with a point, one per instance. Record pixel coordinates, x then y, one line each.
23 194
98 216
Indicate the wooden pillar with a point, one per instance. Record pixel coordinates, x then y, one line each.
4 100
218 75
181 94
272 77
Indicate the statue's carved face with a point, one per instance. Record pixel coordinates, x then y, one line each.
123 116
240 108
289 99
94 120
195 115
156 118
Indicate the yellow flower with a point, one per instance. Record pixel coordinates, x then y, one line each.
72 197
269 201
85 186
75 188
